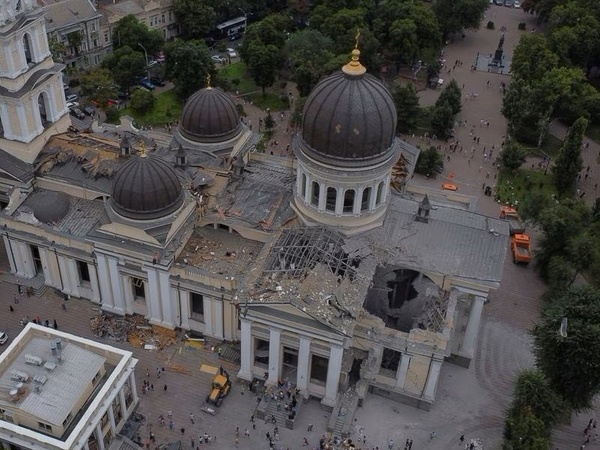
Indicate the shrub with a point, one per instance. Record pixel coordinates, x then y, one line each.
112 115
235 81
490 25
240 109
522 26
142 100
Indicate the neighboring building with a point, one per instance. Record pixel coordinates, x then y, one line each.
60 391
32 101
321 266
76 25
156 14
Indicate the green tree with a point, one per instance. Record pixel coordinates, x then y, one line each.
269 122
273 30
570 361
569 161
130 32
532 391
451 94
57 48
188 64
583 252
126 66
456 16
525 431
532 57
142 100
98 85
196 17
407 104
308 53
429 161
512 156
442 119
263 63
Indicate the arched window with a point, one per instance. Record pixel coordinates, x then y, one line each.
366 199
379 197
28 48
303 185
331 199
315 194
349 201
43 106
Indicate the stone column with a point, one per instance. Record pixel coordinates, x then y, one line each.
218 315
104 281
99 436
432 380
133 386
122 402
333 374
303 365
183 297
208 315
274 355
358 192
247 354
48 279
322 196
115 282
153 297
9 250
96 298
26 258
165 299
467 348
111 419
402 370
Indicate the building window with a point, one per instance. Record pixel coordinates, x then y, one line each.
104 420
318 369
331 199
366 199
138 287
37 259
162 18
84 271
316 192
44 426
197 301
67 420
379 197
96 378
95 43
93 26
261 353
170 16
390 361
303 185
349 201
28 48
106 37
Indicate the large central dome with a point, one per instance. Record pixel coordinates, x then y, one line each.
350 115
209 115
146 188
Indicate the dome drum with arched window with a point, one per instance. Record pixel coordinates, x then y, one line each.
346 151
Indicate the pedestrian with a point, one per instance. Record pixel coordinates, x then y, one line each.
310 427
64 306
171 425
15 299
55 325
193 444
11 308
147 373
182 430
157 372
410 445
192 418
462 439
305 443
406 444
390 444
165 388
169 414
237 431
432 435
237 442
247 433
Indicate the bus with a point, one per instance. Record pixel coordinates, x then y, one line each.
233 26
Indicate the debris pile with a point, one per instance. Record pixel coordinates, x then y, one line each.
134 329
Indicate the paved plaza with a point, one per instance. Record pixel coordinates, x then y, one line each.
469 401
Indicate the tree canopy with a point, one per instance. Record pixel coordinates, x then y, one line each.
126 66
130 32
458 15
407 104
196 17
98 85
569 161
570 362
188 64
512 156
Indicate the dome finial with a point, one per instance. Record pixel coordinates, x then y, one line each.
354 67
208 86
143 151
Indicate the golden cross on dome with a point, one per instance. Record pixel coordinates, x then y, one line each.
208 86
357 36
354 67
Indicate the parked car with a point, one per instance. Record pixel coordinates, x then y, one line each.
89 110
235 36
152 63
112 102
65 86
508 3
3 338
72 105
72 97
231 52
157 81
517 4
76 112
145 82
124 95
217 58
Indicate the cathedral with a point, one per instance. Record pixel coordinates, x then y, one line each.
328 270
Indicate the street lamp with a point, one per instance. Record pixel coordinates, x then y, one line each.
245 18
146 55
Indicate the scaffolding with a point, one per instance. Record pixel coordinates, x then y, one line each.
299 250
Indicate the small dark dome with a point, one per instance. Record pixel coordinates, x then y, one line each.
146 187
209 115
349 116
51 207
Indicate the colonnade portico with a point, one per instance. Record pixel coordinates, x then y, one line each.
303 370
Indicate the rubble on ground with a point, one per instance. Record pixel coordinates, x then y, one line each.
134 329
